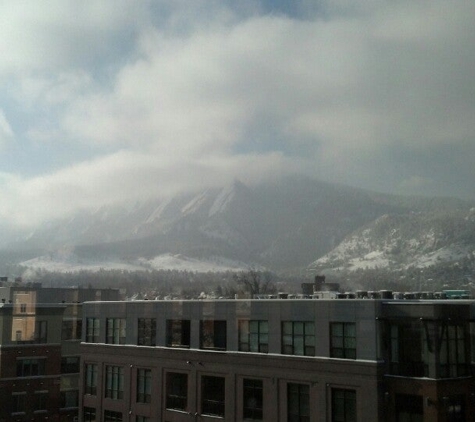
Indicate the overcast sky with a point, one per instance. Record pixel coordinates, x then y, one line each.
112 100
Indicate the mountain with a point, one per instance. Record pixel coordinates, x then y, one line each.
401 241
282 225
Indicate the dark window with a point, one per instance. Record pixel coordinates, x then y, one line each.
30 367
91 378
178 333
147 329
70 365
177 391
144 385
114 382
41 398
298 402
111 416
18 402
298 338
41 331
252 399
115 328
409 349
455 406
69 398
213 335
343 405
142 419
254 336
409 408
89 414
453 351
343 340
92 330
71 329
212 395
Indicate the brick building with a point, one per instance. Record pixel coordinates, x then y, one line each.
40 333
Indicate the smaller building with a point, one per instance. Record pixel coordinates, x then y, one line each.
40 332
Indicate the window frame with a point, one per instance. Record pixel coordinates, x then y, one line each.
176 391
213 334
112 416
252 407
253 335
114 382
116 330
147 332
298 334
93 328
90 378
144 385
30 367
178 333
213 395
339 347
301 411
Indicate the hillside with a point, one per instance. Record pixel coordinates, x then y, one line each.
283 226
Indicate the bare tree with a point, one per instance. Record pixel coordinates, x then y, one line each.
255 282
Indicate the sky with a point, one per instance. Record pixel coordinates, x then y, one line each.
111 101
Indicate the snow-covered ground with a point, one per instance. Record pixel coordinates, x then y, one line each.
61 262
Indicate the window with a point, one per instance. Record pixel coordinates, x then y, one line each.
178 333
18 402
144 385
23 308
115 328
89 414
69 398
212 395
252 399
343 340
409 355
40 400
147 328
455 406
92 330
41 329
30 367
111 416
71 329
254 336
409 408
213 335
298 338
70 365
177 391
453 351
114 382
298 402
343 405
91 379
142 419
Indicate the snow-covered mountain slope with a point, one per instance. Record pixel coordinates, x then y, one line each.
280 225
398 242
64 263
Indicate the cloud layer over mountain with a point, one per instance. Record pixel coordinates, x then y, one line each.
113 101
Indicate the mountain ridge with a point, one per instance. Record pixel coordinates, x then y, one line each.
283 225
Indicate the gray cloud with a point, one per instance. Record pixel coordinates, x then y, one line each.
377 95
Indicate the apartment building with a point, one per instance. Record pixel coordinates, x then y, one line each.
40 333
278 360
